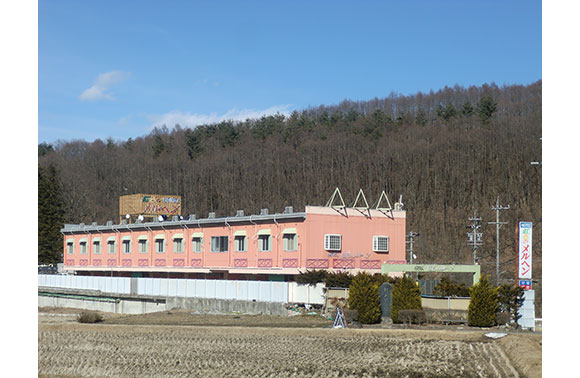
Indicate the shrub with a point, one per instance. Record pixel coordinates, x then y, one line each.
406 296
89 317
510 298
363 296
350 315
311 277
483 304
338 279
447 288
502 318
412 316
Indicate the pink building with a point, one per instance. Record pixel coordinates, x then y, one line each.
265 246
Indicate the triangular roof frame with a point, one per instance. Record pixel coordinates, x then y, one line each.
362 209
390 208
329 203
366 207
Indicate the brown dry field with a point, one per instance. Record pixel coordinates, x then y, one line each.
180 344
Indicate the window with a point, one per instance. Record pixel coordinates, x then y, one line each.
196 244
96 247
178 245
240 242
70 248
332 242
111 245
159 244
290 242
381 243
219 243
143 246
126 246
264 243
83 247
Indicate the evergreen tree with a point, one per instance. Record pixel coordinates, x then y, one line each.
44 148
447 288
421 118
467 109
406 296
50 216
363 296
510 299
485 108
158 146
483 304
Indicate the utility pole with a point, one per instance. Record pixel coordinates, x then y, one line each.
411 240
411 235
474 237
498 224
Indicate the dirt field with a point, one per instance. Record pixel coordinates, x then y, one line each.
299 346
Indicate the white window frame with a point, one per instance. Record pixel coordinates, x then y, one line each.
196 242
220 244
70 248
264 243
144 242
96 247
127 243
286 241
83 248
178 242
244 243
109 244
159 245
328 242
376 243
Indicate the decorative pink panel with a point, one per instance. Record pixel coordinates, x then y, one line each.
112 262
70 261
240 263
396 262
343 264
178 262
159 262
317 263
143 262
265 263
97 262
195 262
290 263
370 264
126 262
84 262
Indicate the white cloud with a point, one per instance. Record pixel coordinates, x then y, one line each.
187 119
103 82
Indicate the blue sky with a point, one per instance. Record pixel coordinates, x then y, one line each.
118 68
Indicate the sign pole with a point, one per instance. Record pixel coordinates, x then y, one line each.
517 259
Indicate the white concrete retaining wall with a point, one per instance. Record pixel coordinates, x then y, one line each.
119 306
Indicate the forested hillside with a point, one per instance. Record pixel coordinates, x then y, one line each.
447 153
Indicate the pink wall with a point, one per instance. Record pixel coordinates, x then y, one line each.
356 232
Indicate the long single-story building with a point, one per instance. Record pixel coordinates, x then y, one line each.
264 246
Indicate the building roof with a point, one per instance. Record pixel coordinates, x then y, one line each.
160 225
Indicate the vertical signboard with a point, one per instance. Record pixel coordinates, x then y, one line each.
525 250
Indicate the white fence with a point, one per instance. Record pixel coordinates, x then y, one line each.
117 285
259 291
